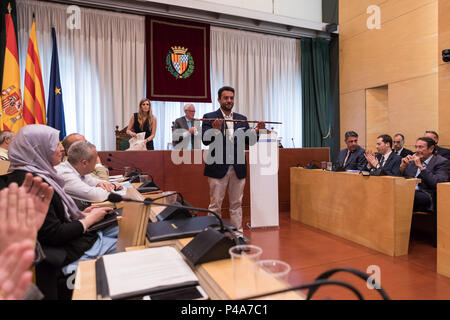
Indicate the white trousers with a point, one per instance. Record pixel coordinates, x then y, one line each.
217 188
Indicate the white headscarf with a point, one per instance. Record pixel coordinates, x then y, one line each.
31 150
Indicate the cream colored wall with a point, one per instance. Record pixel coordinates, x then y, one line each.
402 55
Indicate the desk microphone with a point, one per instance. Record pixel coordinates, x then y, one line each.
322 280
208 245
113 158
293 144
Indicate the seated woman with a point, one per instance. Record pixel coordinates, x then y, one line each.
63 235
143 121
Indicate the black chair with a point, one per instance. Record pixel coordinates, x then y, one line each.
431 216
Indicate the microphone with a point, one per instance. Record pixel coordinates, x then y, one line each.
208 245
122 162
322 280
293 144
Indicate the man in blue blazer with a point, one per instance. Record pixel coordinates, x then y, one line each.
352 157
428 166
385 162
225 164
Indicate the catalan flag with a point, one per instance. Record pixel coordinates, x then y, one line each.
33 93
55 107
11 97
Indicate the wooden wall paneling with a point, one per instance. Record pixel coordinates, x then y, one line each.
444 74
413 107
353 115
377 115
443 229
403 48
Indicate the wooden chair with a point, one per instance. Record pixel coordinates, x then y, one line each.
4 166
431 216
122 139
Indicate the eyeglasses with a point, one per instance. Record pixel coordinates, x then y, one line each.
190 110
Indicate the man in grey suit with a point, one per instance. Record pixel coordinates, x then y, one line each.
425 164
352 157
185 130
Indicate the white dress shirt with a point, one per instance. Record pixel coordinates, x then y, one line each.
80 187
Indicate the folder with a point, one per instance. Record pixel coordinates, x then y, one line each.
182 228
133 274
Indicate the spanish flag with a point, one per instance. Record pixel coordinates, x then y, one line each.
11 96
33 93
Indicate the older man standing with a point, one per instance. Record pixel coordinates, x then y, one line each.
186 129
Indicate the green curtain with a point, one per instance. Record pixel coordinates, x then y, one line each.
3 11
316 92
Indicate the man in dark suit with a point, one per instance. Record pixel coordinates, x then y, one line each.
225 164
385 162
439 150
399 142
186 129
425 164
352 157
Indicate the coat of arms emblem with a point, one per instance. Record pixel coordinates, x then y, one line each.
179 62
11 103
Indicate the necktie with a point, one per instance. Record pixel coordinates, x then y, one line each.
346 158
382 161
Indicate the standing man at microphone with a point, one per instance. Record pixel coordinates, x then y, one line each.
225 164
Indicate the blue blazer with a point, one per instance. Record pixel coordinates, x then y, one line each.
436 172
392 165
217 167
356 159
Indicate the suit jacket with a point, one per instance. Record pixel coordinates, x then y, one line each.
181 123
216 166
405 152
436 172
392 165
356 159
444 152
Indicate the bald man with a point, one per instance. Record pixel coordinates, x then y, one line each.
100 171
185 130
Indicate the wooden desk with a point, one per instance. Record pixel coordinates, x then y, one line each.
443 229
214 277
372 211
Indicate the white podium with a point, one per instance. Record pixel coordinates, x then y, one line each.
263 158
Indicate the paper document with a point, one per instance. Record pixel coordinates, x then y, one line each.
144 270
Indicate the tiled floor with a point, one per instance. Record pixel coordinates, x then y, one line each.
310 252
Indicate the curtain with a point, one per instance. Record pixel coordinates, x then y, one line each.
265 72
316 92
101 65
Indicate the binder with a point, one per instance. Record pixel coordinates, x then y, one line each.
182 228
154 270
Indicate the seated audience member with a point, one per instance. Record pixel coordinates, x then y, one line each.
100 171
64 235
22 212
6 137
399 142
386 162
352 157
75 172
431 168
439 150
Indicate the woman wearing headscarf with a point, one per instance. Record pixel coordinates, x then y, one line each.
63 236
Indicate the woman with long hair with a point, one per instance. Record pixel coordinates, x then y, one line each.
143 121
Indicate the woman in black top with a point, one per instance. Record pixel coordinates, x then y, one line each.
63 236
143 121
